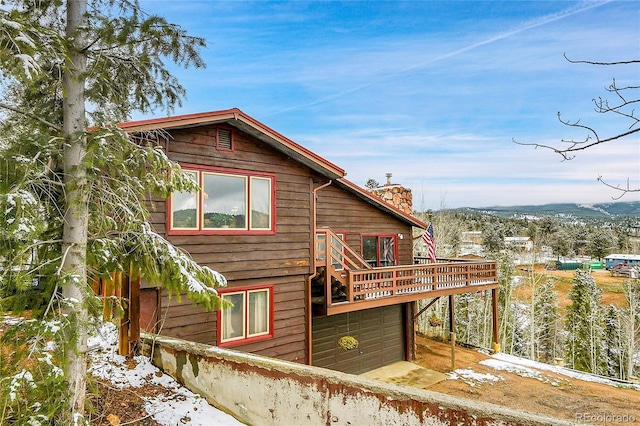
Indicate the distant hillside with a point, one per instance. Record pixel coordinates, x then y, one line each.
578 211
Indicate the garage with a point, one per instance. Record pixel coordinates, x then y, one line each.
379 331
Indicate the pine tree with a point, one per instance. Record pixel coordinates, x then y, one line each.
73 186
510 316
585 328
614 343
630 328
547 323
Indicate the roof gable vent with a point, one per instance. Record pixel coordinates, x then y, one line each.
224 139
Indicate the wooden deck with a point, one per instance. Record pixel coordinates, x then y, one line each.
364 287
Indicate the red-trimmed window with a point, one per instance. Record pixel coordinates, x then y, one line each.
380 250
230 201
250 319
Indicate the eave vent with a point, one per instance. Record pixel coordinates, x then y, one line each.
225 139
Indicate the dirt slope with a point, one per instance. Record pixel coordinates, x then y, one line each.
548 393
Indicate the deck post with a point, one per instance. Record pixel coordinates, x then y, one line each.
134 310
496 326
452 331
122 292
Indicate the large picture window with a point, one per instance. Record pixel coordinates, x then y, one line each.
228 202
249 319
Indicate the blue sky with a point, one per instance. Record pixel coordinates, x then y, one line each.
432 92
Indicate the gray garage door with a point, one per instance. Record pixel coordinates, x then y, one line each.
380 332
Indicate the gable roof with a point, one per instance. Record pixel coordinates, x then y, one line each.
238 119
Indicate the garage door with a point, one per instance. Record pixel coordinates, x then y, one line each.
380 332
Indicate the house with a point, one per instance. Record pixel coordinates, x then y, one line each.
521 244
309 256
615 259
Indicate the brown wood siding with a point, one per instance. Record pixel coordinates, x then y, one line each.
282 259
149 306
186 321
242 257
342 211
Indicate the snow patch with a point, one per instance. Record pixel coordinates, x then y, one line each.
519 370
574 374
473 378
179 406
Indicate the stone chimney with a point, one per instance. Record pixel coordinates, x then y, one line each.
396 195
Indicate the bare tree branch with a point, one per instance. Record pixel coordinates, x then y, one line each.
623 191
633 61
627 97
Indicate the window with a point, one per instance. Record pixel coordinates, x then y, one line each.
249 319
379 250
228 202
336 256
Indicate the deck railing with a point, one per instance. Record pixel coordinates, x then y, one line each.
332 251
403 280
367 287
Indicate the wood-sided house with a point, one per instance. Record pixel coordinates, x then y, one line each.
309 256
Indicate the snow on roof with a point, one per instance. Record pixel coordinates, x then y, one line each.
514 239
624 256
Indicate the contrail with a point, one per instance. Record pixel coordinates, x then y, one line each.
532 23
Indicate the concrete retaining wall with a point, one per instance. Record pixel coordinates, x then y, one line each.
266 391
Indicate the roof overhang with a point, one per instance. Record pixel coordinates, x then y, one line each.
236 118
378 202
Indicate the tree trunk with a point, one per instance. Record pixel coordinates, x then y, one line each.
76 211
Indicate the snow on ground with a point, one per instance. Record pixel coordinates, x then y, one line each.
507 359
166 410
520 370
532 369
472 378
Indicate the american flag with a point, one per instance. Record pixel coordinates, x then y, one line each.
427 237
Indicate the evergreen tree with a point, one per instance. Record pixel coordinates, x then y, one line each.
630 325
548 326
585 329
601 242
72 200
510 316
561 242
493 238
473 319
371 184
614 343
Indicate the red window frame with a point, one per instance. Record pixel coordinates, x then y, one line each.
246 340
378 253
200 200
